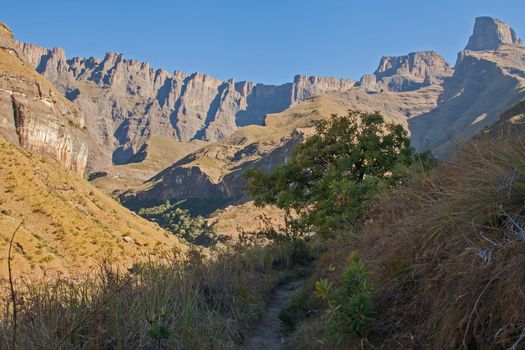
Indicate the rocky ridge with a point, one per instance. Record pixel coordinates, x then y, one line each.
406 73
126 101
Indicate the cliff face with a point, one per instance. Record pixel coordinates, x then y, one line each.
126 101
406 73
488 78
34 114
489 33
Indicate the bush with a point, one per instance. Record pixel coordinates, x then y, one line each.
448 251
349 304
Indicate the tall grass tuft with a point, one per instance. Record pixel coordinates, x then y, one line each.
448 251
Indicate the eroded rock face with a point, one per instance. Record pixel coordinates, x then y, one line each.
484 85
127 101
489 33
309 86
34 114
407 73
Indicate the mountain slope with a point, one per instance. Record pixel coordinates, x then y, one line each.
484 85
213 175
68 224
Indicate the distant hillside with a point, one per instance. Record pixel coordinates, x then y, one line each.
69 226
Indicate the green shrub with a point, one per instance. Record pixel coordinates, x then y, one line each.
349 304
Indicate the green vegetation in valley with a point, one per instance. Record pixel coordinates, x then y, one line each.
180 222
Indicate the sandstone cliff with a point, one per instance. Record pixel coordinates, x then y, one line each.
34 114
69 226
488 78
489 33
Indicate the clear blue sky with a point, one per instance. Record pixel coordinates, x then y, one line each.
265 41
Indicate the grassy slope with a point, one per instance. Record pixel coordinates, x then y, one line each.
446 253
68 224
246 217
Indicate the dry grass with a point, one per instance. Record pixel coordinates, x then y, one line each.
69 225
161 152
448 251
246 217
186 302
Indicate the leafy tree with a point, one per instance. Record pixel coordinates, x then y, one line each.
330 176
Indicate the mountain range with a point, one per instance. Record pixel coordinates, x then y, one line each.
146 135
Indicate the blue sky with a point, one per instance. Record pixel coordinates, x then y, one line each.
266 41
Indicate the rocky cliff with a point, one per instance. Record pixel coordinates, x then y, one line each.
488 78
406 73
34 115
489 33
126 101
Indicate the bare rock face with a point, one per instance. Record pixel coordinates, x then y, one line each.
34 114
309 86
407 73
126 102
489 33
484 85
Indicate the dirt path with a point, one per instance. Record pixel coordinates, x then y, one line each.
269 333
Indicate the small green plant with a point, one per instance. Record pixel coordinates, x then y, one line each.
349 305
158 332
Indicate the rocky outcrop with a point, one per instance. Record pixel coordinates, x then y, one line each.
489 33
406 73
34 115
309 86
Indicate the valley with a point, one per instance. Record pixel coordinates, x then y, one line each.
147 209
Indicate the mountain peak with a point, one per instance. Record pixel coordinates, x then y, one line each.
489 33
